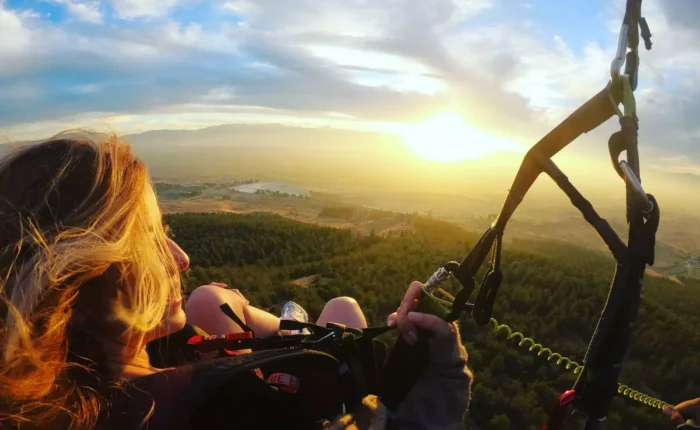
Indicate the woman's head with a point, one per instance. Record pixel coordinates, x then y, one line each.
83 255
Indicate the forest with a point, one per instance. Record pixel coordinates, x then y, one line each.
553 292
351 213
177 191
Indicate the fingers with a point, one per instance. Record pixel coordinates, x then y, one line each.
405 327
413 294
391 320
407 321
679 414
239 294
218 284
431 323
689 407
673 416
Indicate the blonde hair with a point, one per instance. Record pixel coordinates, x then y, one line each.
81 258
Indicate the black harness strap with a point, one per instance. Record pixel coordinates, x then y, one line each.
485 299
597 384
231 314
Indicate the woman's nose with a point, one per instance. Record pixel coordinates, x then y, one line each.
181 258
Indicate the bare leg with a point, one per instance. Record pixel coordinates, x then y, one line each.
343 310
203 311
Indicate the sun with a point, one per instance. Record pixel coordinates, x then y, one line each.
447 137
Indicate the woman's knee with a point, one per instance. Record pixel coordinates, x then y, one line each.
202 307
343 302
210 295
343 310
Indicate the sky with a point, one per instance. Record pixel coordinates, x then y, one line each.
509 68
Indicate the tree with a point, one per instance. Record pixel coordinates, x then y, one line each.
552 292
500 422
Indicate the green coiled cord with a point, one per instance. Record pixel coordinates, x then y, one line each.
572 366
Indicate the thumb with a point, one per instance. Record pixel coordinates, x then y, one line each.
431 323
674 416
218 284
391 320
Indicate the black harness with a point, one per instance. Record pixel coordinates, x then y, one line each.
299 380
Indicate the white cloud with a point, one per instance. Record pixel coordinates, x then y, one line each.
241 7
675 42
402 83
352 18
219 94
15 37
363 58
469 8
130 9
373 61
336 17
677 164
19 47
83 10
225 39
190 35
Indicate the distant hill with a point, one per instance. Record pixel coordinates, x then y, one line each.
378 169
332 159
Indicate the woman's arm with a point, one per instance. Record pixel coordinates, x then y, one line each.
441 395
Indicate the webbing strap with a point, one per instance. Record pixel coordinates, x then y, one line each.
629 103
231 314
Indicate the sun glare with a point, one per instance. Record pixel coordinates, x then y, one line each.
447 137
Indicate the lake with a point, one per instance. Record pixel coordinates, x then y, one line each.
272 187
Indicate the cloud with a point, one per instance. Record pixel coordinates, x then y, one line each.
367 61
16 36
282 75
682 12
83 10
130 9
680 164
375 45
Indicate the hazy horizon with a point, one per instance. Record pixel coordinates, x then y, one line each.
349 161
328 158
482 76
198 85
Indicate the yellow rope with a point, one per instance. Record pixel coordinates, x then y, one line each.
570 365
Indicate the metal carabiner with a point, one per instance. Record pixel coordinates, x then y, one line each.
689 424
619 61
639 192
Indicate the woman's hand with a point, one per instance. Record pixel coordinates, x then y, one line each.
689 409
440 396
407 321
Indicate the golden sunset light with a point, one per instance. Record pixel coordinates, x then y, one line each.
448 137
361 199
